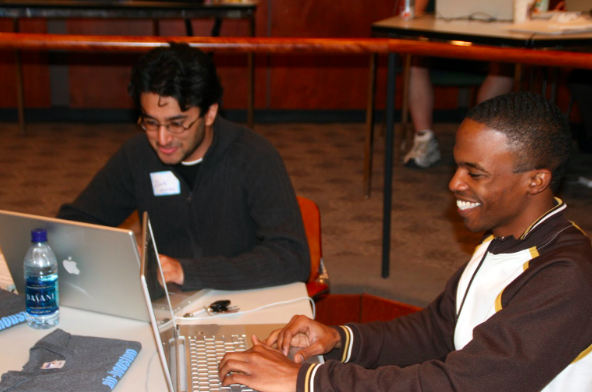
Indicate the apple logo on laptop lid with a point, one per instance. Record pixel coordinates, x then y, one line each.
70 266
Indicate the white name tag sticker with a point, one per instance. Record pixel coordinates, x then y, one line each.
165 183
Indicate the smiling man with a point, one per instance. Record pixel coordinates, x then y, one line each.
220 201
516 317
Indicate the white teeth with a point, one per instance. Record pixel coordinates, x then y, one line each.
465 205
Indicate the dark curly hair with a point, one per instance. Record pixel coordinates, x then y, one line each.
536 130
179 71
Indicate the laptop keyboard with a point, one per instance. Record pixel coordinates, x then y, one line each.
206 353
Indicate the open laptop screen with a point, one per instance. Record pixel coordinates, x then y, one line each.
158 303
97 265
153 273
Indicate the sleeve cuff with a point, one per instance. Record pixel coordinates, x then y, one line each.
344 353
190 277
306 374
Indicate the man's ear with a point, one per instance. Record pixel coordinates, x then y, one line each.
539 181
210 115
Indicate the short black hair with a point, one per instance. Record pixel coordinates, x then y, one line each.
536 129
179 71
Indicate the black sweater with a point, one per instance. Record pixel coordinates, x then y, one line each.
238 228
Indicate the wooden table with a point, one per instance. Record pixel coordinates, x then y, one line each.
454 32
129 9
430 28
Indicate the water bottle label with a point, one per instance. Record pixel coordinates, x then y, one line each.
41 295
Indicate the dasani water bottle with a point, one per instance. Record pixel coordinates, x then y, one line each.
41 283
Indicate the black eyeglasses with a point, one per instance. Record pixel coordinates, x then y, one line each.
175 127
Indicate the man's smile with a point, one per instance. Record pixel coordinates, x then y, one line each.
466 205
167 149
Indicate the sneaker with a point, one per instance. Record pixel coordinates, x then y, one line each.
425 151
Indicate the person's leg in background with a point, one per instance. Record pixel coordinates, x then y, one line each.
499 80
425 151
421 98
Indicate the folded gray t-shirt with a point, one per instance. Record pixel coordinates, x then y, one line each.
64 362
12 309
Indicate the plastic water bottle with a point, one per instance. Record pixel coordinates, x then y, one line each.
41 283
408 9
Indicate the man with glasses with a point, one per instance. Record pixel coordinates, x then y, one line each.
220 201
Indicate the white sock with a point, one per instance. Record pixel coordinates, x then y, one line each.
424 132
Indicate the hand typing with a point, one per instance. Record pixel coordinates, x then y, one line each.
262 368
314 338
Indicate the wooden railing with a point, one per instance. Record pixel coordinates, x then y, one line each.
298 46
219 44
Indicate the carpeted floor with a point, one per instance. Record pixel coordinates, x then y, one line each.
53 162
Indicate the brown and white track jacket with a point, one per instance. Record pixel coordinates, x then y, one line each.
526 325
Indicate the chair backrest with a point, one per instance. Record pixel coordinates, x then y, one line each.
311 217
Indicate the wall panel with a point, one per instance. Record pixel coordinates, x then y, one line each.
322 82
298 82
7 71
34 68
99 80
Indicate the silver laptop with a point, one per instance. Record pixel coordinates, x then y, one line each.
501 10
189 354
97 265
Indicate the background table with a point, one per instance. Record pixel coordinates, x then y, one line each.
472 31
16 341
155 10
454 32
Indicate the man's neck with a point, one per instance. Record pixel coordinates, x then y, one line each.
539 206
203 148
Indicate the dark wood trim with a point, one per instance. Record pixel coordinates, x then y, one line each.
299 46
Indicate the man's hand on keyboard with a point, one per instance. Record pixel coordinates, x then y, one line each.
262 368
314 338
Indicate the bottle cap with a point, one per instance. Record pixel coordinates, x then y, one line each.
38 235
